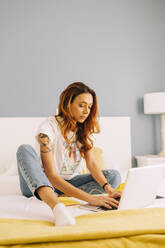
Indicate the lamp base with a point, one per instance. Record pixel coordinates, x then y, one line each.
162 153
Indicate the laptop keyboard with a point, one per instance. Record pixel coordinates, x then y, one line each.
96 208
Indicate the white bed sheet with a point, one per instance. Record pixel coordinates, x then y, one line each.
20 207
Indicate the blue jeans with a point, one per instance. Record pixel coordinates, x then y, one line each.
32 176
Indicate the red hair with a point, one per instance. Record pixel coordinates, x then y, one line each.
89 126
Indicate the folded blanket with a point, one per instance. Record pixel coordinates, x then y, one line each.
116 228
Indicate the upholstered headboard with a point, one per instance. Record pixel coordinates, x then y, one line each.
114 140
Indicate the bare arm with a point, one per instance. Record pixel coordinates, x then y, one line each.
50 170
60 183
97 173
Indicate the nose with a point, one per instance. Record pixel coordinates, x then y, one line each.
85 110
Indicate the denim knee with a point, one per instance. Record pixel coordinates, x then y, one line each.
117 175
23 148
113 177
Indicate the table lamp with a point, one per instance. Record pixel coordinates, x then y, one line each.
154 103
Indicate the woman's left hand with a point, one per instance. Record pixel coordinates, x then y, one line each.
112 192
115 194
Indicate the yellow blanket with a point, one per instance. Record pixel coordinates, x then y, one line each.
113 229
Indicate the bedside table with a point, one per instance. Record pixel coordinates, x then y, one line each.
149 159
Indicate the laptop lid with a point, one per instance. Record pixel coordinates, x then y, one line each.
141 186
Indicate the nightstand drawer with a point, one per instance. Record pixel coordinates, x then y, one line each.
149 160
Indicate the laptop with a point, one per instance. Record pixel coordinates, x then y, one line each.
140 188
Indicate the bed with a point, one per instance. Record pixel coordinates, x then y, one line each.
28 222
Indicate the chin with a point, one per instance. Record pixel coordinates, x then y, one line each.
81 120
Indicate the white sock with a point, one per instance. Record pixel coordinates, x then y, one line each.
62 215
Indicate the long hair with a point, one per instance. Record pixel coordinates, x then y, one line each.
85 129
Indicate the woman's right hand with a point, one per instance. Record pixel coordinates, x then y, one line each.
103 201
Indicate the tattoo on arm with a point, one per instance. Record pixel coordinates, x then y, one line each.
45 143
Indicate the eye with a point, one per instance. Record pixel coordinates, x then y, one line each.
81 105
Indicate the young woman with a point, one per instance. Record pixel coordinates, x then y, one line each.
62 141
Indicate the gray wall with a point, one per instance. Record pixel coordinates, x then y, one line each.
115 46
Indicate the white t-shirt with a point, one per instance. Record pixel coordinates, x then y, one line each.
67 157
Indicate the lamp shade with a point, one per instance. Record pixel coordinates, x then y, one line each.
154 103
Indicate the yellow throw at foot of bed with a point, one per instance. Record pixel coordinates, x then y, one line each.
126 228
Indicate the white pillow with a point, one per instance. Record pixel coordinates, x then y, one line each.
9 167
9 185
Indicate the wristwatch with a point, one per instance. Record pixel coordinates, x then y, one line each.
104 185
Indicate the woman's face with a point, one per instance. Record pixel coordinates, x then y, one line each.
81 107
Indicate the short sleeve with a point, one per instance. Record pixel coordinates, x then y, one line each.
47 129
